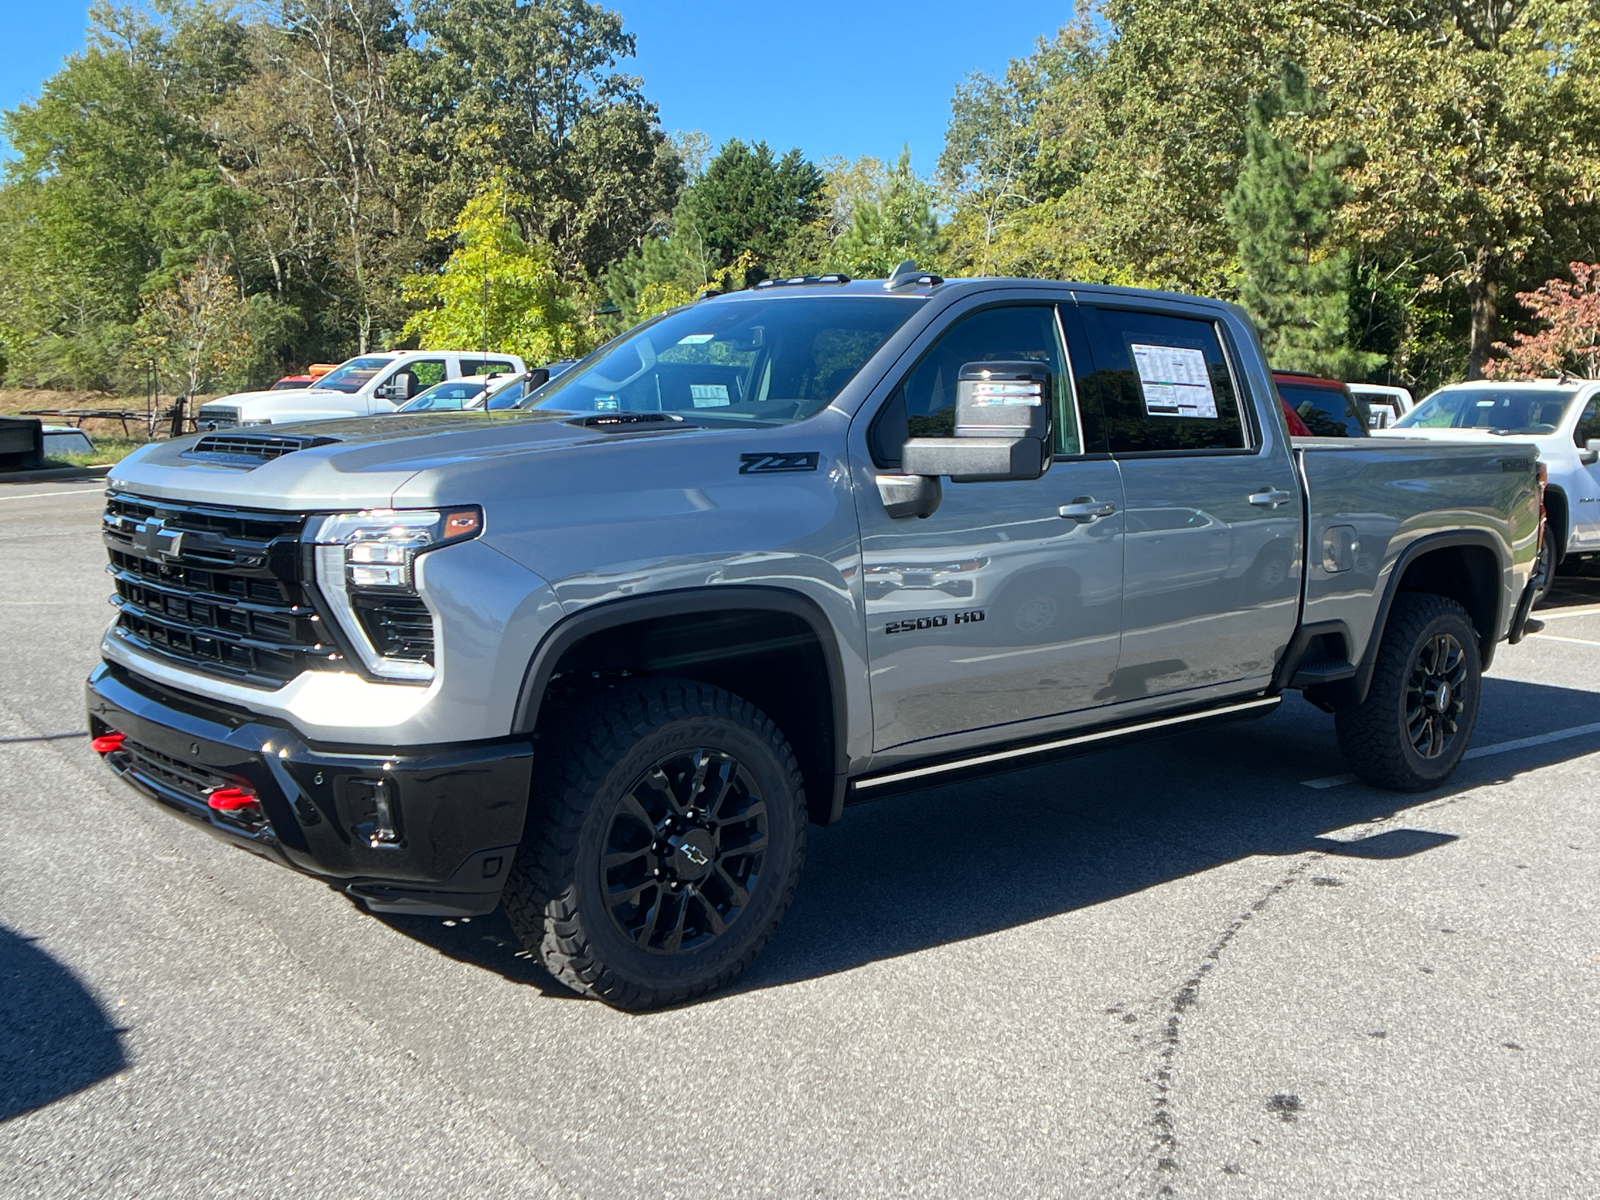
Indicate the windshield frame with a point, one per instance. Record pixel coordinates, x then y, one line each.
1411 419
766 358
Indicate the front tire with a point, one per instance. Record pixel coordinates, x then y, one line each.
1412 729
666 835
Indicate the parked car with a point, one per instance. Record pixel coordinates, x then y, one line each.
601 657
1558 417
365 386
64 439
1385 404
1326 407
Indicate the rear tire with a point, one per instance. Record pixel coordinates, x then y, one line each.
665 837
1410 732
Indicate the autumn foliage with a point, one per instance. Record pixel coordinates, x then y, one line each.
1569 341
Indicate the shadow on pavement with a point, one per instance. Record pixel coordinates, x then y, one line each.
54 1037
947 864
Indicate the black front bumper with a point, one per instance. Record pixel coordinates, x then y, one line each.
456 813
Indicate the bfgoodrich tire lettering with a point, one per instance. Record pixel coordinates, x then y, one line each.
666 835
1414 726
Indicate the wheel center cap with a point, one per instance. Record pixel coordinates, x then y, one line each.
692 853
1441 695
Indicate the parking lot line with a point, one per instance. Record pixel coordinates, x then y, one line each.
1549 614
1556 637
41 495
1543 739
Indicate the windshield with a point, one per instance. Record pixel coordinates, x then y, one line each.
1502 410
450 396
353 375
772 361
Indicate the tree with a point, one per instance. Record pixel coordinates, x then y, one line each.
496 290
194 329
1569 341
1296 284
529 88
749 201
891 220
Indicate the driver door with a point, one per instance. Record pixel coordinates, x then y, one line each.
998 609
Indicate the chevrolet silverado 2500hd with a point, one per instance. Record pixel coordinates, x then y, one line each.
600 659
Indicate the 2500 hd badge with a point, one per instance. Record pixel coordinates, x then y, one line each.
911 626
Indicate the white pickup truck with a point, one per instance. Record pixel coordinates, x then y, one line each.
368 385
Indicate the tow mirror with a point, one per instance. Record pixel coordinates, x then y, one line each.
393 391
1003 427
1590 454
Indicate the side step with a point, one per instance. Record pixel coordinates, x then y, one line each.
1013 758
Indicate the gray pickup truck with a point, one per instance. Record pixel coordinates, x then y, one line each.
602 658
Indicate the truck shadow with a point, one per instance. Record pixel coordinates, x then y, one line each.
54 1037
947 864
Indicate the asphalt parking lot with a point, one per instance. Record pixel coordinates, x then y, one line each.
1177 970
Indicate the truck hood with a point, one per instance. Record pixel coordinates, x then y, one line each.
360 461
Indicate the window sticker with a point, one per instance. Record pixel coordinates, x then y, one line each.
696 339
1175 382
709 395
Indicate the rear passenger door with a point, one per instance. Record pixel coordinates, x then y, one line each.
1212 553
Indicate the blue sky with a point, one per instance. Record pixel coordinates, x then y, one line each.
829 76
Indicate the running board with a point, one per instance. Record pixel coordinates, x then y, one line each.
1018 757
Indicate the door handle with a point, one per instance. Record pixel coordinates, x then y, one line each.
1086 508
1270 498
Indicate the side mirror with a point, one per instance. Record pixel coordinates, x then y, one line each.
1590 454
1003 427
537 378
393 391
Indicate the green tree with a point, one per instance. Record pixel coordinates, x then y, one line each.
194 329
531 90
496 291
891 220
1296 282
751 202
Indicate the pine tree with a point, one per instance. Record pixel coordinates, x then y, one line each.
1296 282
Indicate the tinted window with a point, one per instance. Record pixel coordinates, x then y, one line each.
1162 381
772 359
1326 413
924 405
1588 423
493 366
506 397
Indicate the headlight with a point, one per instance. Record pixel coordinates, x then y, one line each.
364 557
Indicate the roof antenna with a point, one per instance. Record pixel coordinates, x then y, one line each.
908 272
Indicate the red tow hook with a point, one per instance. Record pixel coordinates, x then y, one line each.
235 802
108 743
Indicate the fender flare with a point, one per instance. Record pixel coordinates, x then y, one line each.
611 614
1481 538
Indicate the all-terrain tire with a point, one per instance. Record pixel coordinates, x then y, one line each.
1400 737
632 738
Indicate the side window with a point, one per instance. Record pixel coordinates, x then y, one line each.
1588 423
1162 381
417 377
924 405
493 366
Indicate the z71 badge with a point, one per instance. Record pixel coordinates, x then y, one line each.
777 464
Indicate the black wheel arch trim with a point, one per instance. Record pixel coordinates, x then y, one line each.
612 614
1481 538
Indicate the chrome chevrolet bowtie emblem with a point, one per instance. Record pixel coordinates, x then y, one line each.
696 855
154 538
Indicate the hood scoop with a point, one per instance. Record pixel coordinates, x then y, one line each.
250 450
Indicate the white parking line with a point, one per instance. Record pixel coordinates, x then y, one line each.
1551 614
37 495
1543 739
1556 637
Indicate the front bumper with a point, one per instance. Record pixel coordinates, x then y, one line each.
454 814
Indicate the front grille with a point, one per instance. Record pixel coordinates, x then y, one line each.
251 450
217 417
397 626
189 780
219 590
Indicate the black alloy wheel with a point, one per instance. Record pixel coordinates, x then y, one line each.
1410 732
666 831
1436 696
683 851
